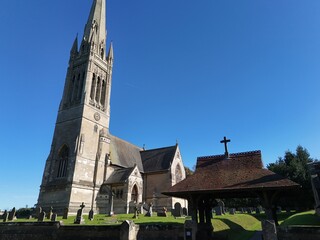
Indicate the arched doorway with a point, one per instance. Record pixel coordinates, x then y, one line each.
134 194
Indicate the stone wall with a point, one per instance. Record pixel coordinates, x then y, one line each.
299 233
56 231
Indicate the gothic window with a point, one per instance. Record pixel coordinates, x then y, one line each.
81 86
98 90
93 87
103 93
178 173
76 89
134 194
63 157
70 90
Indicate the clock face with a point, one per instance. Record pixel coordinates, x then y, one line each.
97 116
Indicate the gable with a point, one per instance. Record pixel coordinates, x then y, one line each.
156 160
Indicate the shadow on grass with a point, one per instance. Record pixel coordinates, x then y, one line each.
235 232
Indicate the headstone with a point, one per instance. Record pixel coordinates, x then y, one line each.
269 230
49 214
232 211
185 211
41 216
162 213
79 219
12 214
128 230
177 211
221 204
65 213
218 210
258 211
5 216
249 210
54 217
149 211
38 211
91 215
288 210
136 212
242 210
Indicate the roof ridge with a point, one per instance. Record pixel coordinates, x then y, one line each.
154 149
231 154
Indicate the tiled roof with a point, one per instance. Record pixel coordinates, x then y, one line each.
240 174
119 176
125 154
158 159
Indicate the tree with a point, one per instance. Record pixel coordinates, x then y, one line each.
189 172
295 167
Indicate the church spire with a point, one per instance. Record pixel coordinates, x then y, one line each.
110 53
95 29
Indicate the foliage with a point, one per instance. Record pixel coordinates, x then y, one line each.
295 167
24 212
189 172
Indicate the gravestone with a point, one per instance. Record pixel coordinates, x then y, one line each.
218 210
258 211
91 215
269 230
162 213
12 214
185 211
49 214
249 210
5 216
177 211
65 213
149 211
242 210
279 209
54 217
288 210
38 211
41 216
79 219
232 211
221 204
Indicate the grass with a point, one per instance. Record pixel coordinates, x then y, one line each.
305 218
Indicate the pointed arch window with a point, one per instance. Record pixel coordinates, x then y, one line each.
103 93
81 86
63 158
70 90
98 90
93 87
76 89
178 174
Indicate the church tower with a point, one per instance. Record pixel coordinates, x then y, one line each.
76 166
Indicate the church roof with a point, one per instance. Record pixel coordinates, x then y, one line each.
125 154
159 159
119 176
240 174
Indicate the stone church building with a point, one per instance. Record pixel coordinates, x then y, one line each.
88 164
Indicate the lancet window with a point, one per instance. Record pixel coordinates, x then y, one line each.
63 158
93 87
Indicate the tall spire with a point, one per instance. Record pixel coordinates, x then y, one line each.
95 29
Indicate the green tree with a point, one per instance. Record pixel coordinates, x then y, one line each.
189 172
295 167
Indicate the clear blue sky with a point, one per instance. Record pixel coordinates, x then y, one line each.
189 70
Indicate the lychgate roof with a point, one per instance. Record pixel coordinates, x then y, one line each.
239 174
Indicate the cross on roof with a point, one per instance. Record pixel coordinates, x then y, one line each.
225 141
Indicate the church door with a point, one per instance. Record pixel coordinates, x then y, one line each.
134 194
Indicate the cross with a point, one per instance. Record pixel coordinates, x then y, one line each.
82 205
225 141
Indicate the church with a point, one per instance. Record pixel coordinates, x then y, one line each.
86 162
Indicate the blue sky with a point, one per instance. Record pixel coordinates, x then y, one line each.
192 71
